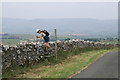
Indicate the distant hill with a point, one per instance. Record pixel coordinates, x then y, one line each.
63 26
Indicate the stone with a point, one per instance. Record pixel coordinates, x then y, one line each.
34 52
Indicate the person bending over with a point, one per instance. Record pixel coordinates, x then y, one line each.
43 35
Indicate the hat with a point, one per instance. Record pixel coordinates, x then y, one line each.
37 30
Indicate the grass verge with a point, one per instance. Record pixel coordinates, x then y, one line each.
68 63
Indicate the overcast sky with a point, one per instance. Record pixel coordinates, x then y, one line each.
35 10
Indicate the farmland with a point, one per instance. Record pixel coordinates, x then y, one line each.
12 39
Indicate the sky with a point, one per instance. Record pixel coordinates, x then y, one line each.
47 10
60 0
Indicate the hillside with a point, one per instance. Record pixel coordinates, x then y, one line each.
64 26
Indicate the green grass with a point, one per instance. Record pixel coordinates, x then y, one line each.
10 41
108 41
67 64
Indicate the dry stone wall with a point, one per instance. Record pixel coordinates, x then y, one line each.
26 53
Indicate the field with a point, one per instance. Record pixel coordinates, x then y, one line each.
10 41
109 41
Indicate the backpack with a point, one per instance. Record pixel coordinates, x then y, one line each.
46 33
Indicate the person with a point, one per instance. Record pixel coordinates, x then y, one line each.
43 35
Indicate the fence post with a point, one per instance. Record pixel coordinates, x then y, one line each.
55 42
